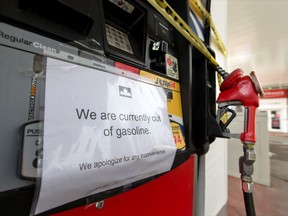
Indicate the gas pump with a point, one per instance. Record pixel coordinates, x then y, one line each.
141 42
127 38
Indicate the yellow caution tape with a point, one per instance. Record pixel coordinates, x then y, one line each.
195 8
198 7
174 19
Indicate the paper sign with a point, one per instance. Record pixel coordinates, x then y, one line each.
101 131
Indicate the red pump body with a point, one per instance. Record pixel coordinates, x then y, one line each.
169 195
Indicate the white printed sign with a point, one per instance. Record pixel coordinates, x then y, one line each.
101 131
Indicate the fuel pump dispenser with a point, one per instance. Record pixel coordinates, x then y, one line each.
140 43
125 38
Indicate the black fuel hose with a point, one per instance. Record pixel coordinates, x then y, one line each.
249 204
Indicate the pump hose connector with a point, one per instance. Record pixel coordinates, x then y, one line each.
222 72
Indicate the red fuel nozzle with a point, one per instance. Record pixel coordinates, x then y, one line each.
238 89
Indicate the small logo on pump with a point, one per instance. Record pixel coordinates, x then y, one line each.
165 83
125 91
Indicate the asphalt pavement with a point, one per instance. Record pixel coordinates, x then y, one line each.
269 201
279 155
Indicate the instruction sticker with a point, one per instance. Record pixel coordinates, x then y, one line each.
101 131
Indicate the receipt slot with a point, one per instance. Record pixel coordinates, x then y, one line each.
127 41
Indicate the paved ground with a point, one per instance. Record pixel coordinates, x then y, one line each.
269 201
279 156
278 138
